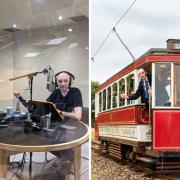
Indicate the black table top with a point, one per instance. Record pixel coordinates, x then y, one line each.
60 133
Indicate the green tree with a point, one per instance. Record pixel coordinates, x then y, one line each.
94 86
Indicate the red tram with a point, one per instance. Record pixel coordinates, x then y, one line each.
126 128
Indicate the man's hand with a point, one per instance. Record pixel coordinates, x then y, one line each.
124 96
60 112
76 114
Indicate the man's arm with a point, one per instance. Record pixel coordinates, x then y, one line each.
76 114
135 96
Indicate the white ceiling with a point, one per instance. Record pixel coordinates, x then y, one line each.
33 14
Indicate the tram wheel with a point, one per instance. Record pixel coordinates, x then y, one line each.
128 156
133 156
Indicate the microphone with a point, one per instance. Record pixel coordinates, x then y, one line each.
50 78
47 69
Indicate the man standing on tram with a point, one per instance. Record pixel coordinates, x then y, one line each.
144 88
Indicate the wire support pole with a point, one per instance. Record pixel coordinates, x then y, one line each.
114 29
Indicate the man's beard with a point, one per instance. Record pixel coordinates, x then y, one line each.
64 90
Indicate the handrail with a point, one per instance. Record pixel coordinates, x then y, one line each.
150 110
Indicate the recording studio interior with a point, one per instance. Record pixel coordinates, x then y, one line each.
39 38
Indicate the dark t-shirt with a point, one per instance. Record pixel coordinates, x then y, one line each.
69 102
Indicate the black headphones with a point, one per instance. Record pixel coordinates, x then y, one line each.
72 77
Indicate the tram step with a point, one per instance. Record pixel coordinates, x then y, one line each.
168 171
147 159
168 167
168 163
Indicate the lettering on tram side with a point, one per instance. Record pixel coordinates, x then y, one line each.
134 132
128 132
148 133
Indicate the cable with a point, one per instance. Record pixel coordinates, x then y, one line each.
20 167
101 45
125 13
111 31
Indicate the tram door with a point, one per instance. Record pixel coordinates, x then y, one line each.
165 106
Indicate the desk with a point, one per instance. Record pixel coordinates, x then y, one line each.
63 134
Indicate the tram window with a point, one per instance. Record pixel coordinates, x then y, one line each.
100 101
162 84
114 95
104 99
121 90
130 87
109 97
177 85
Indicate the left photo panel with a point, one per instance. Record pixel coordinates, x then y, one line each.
44 89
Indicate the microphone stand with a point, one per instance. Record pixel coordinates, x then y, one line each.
30 78
30 108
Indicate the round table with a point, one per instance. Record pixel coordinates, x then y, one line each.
63 134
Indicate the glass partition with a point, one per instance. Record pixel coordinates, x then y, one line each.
163 84
35 34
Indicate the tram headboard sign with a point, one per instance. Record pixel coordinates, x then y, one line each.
173 46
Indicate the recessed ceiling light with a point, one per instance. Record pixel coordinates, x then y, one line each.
31 54
56 41
60 18
14 25
87 48
70 30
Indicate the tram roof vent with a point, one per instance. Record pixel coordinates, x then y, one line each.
173 46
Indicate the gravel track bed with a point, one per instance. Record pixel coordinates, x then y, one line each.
108 169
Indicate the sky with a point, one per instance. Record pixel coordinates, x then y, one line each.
148 24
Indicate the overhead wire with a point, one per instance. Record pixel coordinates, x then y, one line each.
100 46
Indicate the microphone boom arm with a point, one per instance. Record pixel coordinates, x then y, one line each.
27 75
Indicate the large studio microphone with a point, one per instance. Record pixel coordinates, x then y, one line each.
50 78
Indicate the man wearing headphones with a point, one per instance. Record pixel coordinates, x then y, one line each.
66 98
68 101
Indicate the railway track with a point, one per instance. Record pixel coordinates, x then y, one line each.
137 167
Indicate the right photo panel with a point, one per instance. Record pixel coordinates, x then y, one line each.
135 90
